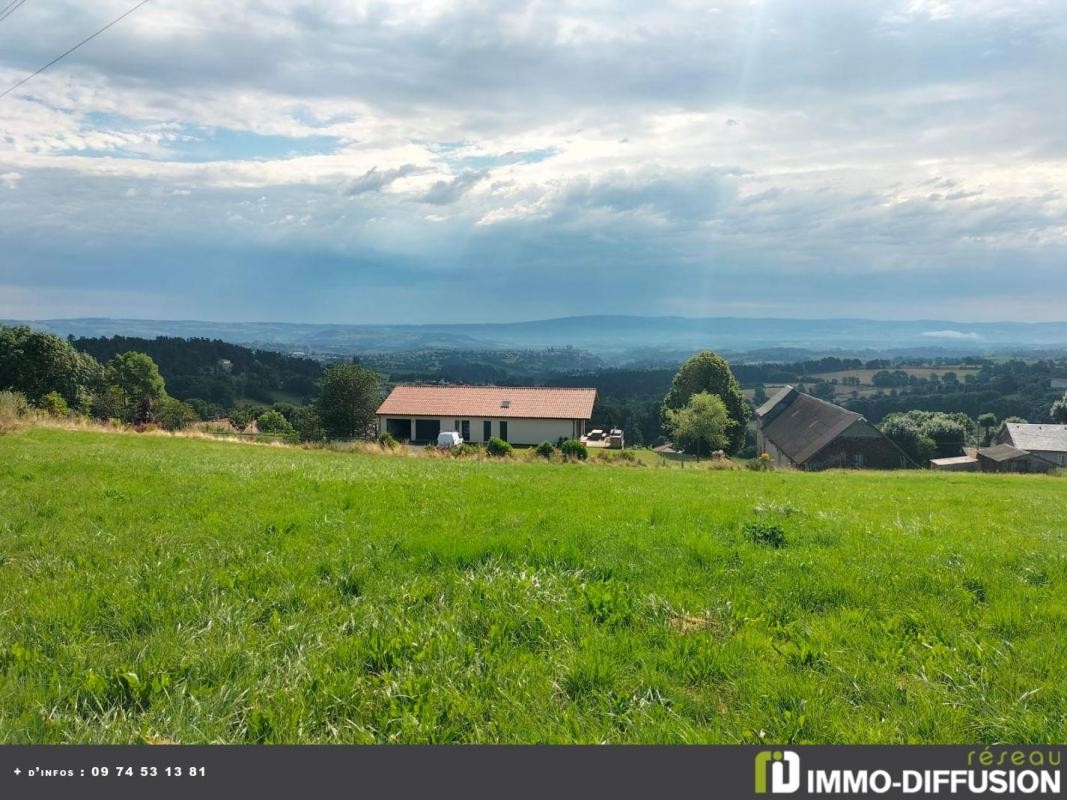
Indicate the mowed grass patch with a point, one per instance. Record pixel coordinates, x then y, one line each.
158 589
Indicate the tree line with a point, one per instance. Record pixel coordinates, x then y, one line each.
56 377
213 375
700 407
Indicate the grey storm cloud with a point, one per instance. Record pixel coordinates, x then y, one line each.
516 60
445 192
374 180
683 196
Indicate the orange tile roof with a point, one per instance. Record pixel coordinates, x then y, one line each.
489 401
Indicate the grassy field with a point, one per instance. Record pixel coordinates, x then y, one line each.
866 388
164 589
867 375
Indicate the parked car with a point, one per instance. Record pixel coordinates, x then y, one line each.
612 439
449 439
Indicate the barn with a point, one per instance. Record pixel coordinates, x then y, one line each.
1046 441
519 415
804 432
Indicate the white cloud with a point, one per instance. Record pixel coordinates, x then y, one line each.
956 335
672 145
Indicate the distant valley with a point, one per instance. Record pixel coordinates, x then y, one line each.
619 339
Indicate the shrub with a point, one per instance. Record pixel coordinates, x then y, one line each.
465 450
241 418
572 448
108 404
273 422
764 533
545 450
175 415
628 455
388 440
761 464
498 447
55 405
13 410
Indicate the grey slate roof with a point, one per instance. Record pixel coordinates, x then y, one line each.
1002 452
774 400
1005 452
1050 438
802 425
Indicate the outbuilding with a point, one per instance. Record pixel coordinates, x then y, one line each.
525 415
1005 458
801 431
955 464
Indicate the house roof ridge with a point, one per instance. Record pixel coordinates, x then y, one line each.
455 400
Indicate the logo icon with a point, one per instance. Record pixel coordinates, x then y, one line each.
784 769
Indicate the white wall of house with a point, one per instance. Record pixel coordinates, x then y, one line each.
520 431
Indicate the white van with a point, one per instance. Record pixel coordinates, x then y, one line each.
449 439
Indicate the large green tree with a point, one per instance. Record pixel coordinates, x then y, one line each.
136 377
929 434
350 396
36 363
702 425
908 435
709 372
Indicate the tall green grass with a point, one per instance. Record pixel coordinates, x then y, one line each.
168 589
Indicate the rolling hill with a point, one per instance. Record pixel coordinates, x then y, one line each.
634 337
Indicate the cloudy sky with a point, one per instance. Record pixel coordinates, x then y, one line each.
475 161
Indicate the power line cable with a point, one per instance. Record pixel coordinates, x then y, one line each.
59 58
10 9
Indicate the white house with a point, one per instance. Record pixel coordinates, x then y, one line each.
520 415
1047 441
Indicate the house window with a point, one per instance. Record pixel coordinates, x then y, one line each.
487 431
858 460
465 430
503 430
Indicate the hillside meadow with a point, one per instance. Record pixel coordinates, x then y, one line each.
159 589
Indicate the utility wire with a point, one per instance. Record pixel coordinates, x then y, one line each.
10 9
59 58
